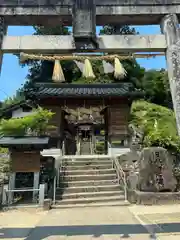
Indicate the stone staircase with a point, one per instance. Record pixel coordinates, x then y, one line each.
89 181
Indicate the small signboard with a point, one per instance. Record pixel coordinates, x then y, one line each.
25 161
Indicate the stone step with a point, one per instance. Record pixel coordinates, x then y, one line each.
98 188
89 183
82 195
90 200
90 177
90 172
88 166
87 157
97 204
85 162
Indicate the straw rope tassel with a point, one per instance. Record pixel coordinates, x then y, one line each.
88 71
58 75
119 71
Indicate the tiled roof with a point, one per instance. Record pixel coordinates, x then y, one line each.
85 90
9 109
9 141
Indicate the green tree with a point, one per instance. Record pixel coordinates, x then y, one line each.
116 29
157 123
155 83
12 100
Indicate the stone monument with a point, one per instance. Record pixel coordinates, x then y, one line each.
156 171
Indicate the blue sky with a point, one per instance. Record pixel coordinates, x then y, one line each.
13 76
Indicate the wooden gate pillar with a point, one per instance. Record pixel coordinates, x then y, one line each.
3 30
170 28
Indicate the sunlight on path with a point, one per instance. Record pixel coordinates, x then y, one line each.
87 223
162 221
16 224
93 223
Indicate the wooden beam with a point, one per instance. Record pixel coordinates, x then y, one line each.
114 11
65 44
97 2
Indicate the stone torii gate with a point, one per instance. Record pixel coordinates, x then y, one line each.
84 15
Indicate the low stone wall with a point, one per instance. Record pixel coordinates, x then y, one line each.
153 198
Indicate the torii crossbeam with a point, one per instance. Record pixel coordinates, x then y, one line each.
135 12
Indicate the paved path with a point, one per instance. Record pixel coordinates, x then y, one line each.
163 222
17 224
88 223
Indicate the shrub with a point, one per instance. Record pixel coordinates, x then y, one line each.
99 149
36 123
158 124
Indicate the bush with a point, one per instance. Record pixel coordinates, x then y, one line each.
36 124
160 139
157 123
99 149
117 144
3 150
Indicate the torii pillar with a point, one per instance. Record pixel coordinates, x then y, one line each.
3 31
170 28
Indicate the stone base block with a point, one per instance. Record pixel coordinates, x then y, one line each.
153 198
47 204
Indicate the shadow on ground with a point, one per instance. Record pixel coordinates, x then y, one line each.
42 232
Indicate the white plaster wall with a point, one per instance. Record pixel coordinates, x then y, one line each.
55 153
16 113
118 151
19 113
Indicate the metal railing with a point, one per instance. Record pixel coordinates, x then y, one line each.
63 149
59 170
91 145
79 147
39 191
54 190
119 171
121 175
